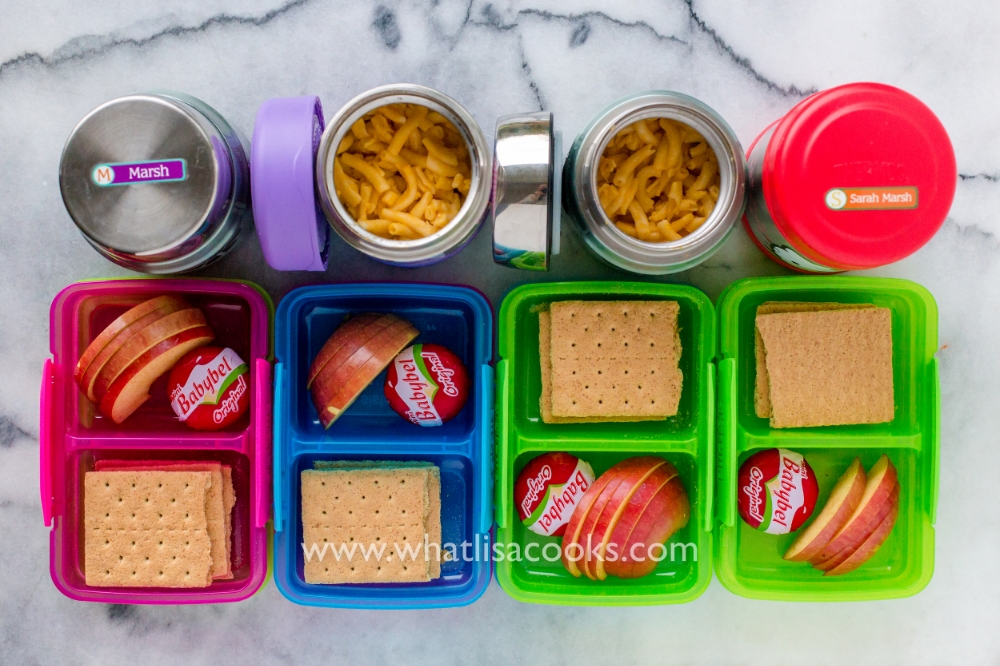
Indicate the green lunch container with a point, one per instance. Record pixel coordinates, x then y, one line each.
749 562
686 440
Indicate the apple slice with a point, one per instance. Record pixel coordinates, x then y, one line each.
575 525
389 346
629 510
100 360
872 508
668 512
843 500
347 331
641 501
868 547
116 327
837 559
346 361
131 389
143 341
625 475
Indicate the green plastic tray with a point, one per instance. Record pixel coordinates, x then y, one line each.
686 440
749 562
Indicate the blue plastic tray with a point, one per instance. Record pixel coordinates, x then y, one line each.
459 318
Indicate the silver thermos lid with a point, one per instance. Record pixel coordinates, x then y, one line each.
157 182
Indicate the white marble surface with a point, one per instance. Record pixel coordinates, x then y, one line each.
751 60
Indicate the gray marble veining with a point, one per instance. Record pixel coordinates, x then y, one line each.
750 60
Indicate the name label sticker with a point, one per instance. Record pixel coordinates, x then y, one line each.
132 173
872 198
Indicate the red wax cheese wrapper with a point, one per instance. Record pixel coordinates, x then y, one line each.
777 491
209 388
548 489
427 385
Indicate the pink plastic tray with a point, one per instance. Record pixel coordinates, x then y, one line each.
74 434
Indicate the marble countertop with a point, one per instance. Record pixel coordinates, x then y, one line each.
750 60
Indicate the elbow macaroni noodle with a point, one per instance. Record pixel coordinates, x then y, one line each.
658 180
403 171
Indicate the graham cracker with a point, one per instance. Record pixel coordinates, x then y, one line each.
432 519
335 567
829 367
615 358
147 558
219 501
545 400
762 398
147 528
370 503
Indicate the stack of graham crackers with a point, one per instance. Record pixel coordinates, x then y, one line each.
609 361
158 523
822 364
389 510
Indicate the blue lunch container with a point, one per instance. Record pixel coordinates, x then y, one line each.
458 318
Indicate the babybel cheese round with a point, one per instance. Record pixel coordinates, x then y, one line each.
209 388
548 489
777 491
427 385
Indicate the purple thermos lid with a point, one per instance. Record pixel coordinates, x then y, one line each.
293 232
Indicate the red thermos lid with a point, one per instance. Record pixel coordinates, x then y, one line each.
859 176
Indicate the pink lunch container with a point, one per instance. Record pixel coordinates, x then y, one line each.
74 435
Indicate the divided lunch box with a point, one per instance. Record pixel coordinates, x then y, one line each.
459 318
74 434
749 562
686 440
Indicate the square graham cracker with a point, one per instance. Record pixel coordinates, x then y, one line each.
164 519
348 503
545 399
762 397
829 367
615 359
220 501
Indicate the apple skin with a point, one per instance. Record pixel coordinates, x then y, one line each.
114 328
669 511
131 389
615 501
588 511
92 371
389 347
881 482
161 329
868 547
885 509
629 510
575 524
349 359
843 500
344 333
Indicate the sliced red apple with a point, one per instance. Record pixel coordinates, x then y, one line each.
389 346
116 327
350 357
574 527
344 334
161 329
668 512
868 547
872 508
131 389
642 500
625 475
630 508
333 378
840 506
101 359
837 559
